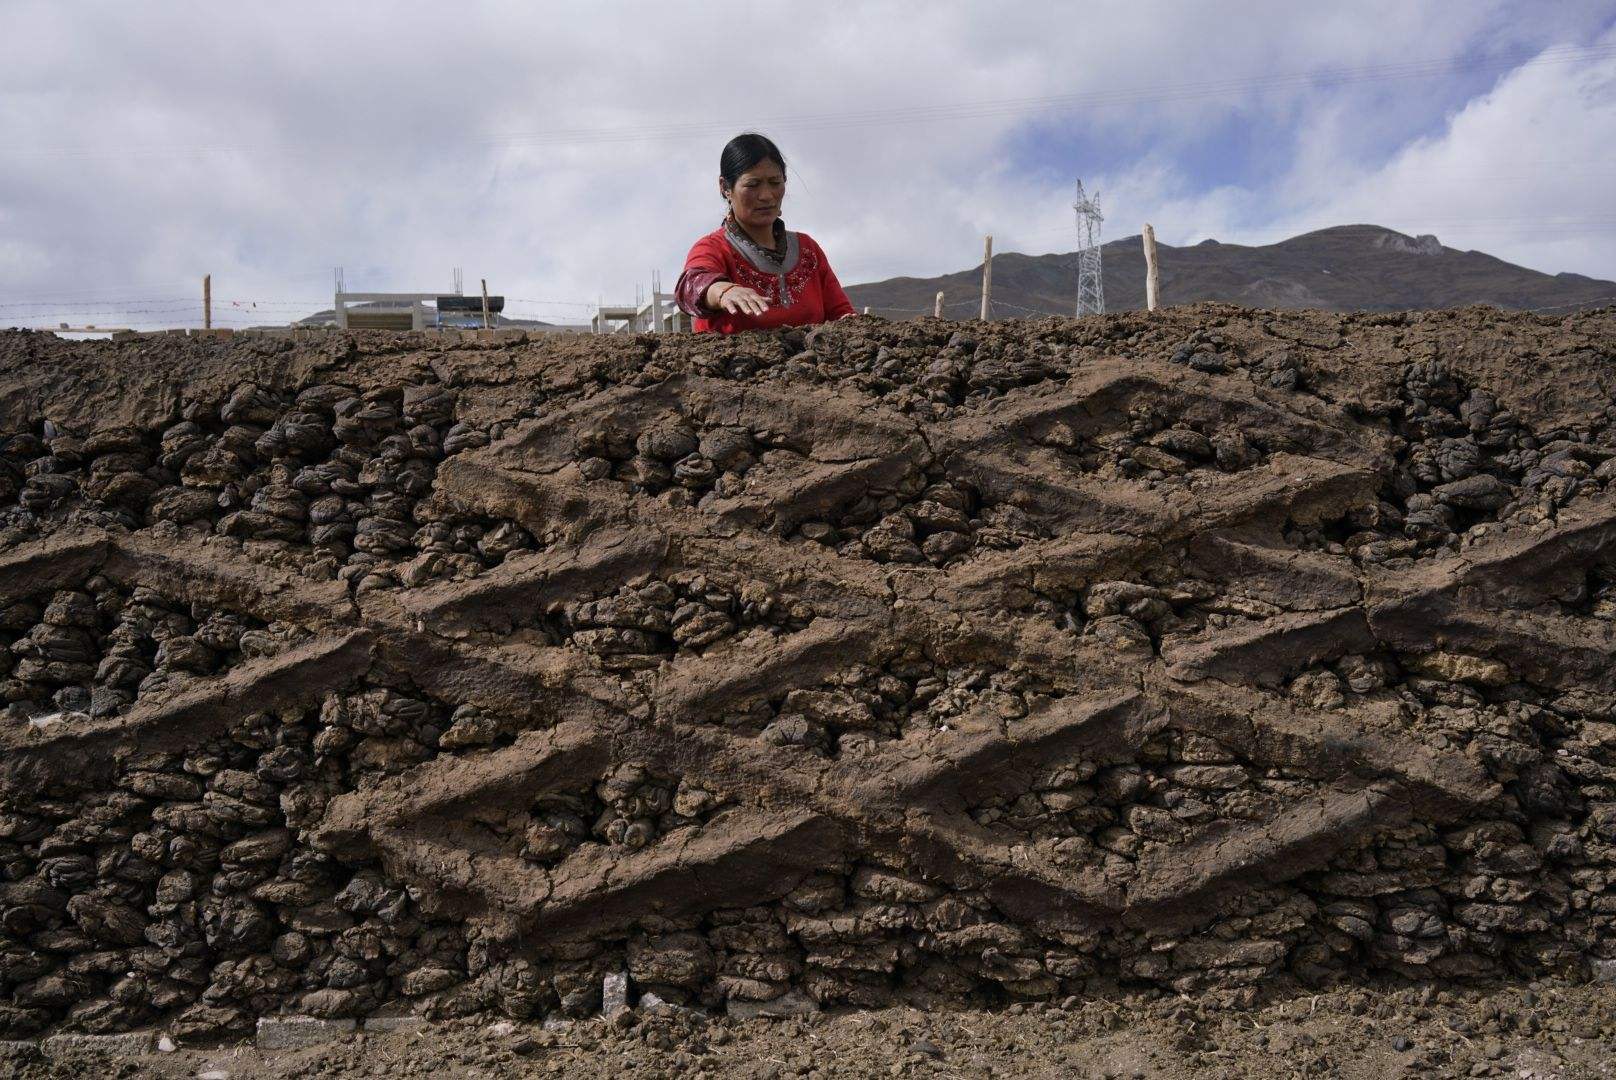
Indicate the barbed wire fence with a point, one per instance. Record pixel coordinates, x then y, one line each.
178 313
987 303
148 313
1595 302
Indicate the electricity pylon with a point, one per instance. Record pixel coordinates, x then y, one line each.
1090 287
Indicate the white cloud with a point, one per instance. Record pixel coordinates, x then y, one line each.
146 145
1518 172
1521 172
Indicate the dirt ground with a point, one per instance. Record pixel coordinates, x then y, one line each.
1526 1032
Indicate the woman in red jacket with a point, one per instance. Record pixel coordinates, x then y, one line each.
751 273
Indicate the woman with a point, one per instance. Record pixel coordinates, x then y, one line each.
750 273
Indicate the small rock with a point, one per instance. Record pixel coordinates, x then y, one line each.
392 1025
822 532
1479 492
792 1004
1458 667
1154 458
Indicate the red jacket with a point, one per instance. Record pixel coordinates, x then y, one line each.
816 296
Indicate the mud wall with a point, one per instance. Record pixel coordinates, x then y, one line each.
370 672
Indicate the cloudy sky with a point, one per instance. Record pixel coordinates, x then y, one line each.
566 151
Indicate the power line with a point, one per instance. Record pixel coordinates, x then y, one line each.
103 311
280 303
1293 229
118 288
97 291
1575 303
1031 311
91 303
1086 100
990 109
29 309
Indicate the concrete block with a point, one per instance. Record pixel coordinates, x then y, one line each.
614 993
784 1007
123 1044
1603 970
291 1032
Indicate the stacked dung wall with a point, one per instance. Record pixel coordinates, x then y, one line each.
949 661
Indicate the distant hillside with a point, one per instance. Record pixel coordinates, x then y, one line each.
1347 268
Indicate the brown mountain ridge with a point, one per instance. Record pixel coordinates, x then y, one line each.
1345 268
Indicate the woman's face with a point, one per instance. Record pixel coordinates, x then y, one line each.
757 195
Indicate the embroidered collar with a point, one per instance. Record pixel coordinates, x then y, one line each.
779 262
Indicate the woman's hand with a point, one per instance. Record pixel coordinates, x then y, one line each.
736 299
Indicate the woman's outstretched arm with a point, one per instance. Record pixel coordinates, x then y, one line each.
704 268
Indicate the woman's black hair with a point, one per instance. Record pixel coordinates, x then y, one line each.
744 152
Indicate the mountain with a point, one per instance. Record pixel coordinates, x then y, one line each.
1346 268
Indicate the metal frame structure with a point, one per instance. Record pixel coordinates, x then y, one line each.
658 315
1090 284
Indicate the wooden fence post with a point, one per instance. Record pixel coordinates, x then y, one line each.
207 301
485 303
1152 279
937 306
987 276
